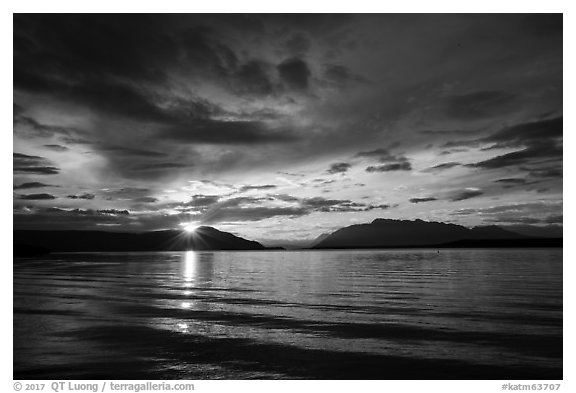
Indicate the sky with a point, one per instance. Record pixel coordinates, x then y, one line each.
279 128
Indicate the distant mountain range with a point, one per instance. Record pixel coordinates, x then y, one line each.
384 233
204 238
380 233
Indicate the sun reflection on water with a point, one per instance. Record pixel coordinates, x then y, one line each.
190 267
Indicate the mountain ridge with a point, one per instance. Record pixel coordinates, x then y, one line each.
203 238
389 233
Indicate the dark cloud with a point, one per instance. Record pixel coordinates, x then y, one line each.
125 193
379 207
106 72
34 184
446 165
391 162
421 200
511 181
226 132
58 218
543 25
24 125
252 209
339 167
545 150
452 151
539 141
294 73
145 200
253 78
336 75
85 195
478 104
466 194
161 166
528 133
203 200
23 163
228 214
297 45
113 212
381 154
128 151
519 213
37 197
397 166
443 132
262 187
319 204
56 147
550 172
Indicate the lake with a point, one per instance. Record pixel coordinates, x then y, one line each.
354 314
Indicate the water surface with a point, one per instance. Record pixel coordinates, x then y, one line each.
390 314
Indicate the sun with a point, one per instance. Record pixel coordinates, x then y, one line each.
190 228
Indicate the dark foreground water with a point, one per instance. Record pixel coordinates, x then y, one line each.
394 314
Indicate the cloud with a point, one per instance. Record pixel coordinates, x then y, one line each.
23 163
160 166
397 166
202 200
27 126
446 165
511 181
420 200
294 73
128 151
36 197
549 172
548 150
146 200
256 209
339 76
33 184
125 193
252 78
340 167
478 104
85 195
297 44
225 132
539 141
466 194
528 133
543 25
56 147
158 100
113 212
54 218
382 154
391 162
525 213
227 214
261 187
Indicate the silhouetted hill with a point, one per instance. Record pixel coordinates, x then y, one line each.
204 238
492 232
554 230
383 233
506 243
319 239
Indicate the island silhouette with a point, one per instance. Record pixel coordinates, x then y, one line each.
380 233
